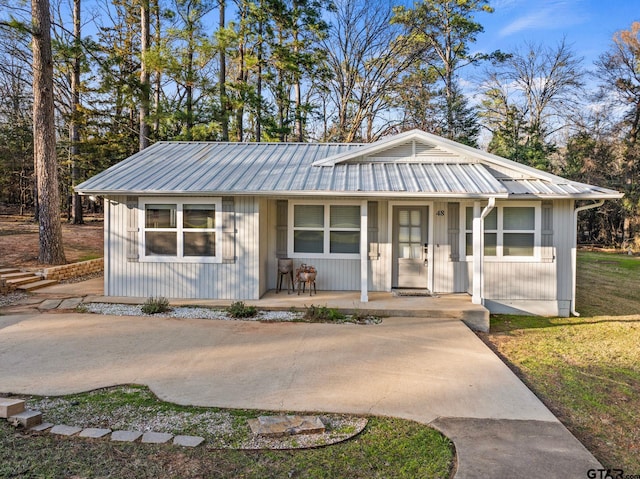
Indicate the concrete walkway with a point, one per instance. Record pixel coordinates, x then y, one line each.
433 371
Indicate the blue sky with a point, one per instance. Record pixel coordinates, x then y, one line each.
587 25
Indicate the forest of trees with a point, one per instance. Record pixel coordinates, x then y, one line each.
130 73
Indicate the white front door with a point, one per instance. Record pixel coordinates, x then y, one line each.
410 246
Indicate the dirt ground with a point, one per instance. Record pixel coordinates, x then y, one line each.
19 241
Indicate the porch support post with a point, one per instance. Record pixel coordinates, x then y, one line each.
364 253
478 253
478 249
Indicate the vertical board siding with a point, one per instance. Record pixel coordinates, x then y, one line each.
442 266
334 274
563 241
237 280
513 281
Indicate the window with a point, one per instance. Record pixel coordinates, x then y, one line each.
180 230
509 231
325 229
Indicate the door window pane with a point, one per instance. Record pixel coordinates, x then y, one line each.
415 218
161 243
160 216
416 234
199 216
308 216
344 242
404 234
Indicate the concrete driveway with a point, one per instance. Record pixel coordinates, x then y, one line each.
422 369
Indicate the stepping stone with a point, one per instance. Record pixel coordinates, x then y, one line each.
49 304
63 430
26 419
275 426
45 426
10 407
156 437
71 303
188 441
125 436
94 432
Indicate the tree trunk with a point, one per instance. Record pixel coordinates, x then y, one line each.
44 140
145 84
74 128
259 84
239 113
222 79
158 74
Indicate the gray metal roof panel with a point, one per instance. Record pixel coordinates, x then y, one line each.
279 168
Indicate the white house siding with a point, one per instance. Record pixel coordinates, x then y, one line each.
443 270
563 227
543 287
237 280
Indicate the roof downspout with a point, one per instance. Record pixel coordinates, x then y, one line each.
478 251
574 248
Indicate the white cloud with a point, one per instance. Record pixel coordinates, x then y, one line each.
554 15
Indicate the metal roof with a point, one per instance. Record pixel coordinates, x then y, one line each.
167 168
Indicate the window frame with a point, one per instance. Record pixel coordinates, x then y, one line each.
500 231
180 230
326 229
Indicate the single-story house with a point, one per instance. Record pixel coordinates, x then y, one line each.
411 211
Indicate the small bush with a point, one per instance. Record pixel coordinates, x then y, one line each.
156 305
241 310
322 313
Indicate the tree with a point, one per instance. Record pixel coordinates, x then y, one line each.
44 140
74 127
618 70
441 32
191 55
145 82
16 126
366 57
528 98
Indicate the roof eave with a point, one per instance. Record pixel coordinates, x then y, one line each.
376 194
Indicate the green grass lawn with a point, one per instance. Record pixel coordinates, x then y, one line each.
587 369
386 448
